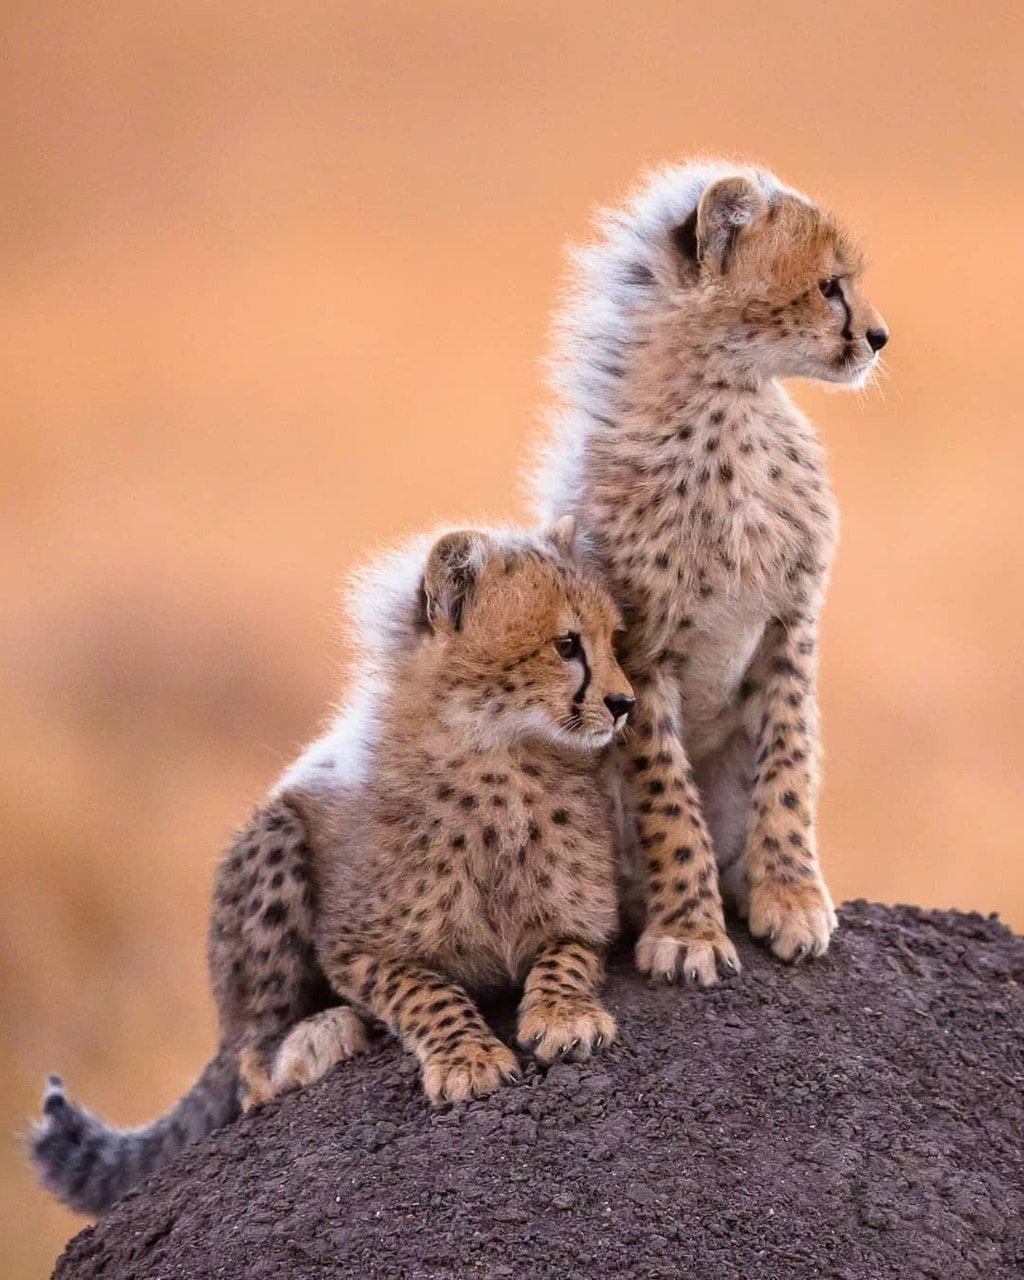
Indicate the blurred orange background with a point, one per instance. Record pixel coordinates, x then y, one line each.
275 288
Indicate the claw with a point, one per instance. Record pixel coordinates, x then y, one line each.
729 966
570 1047
799 953
534 1041
598 1041
512 1077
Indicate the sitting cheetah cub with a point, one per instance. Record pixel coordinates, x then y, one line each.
704 492
479 851
452 832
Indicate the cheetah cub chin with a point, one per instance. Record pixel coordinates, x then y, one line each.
477 848
452 832
703 490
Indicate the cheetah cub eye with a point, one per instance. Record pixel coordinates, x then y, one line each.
568 646
829 287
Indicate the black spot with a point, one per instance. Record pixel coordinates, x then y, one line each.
639 273
490 837
274 914
790 799
560 818
468 802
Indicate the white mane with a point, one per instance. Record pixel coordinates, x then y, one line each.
628 270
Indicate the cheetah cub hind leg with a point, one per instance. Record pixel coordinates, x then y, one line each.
314 1046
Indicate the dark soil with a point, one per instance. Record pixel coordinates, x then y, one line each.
861 1117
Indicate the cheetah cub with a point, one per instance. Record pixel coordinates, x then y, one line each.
452 832
704 493
480 849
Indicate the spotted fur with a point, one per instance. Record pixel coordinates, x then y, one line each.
451 831
704 493
477 850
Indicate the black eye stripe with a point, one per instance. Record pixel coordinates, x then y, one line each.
847 331
832 288
581 692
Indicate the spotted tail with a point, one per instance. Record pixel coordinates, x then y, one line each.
88 1164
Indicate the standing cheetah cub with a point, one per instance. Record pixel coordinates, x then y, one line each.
704 492
452 832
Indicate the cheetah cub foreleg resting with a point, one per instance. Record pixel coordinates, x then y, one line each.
704 491
479 848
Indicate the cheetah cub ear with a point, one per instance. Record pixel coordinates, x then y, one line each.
725 208
450 577
562 534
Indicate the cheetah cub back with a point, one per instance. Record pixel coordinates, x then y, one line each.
476 849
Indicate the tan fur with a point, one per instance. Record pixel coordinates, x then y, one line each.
704 492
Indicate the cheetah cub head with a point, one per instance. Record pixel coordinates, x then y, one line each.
521 641
774 281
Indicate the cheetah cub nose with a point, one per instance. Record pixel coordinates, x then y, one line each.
877 338
619 704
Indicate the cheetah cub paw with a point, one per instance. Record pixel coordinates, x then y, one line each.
569 1029
469 1070
310 1049
664 957
796 920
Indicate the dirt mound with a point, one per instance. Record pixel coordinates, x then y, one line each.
861 1117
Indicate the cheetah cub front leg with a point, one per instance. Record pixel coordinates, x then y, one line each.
685 927
559 1014
783 892
460 1056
